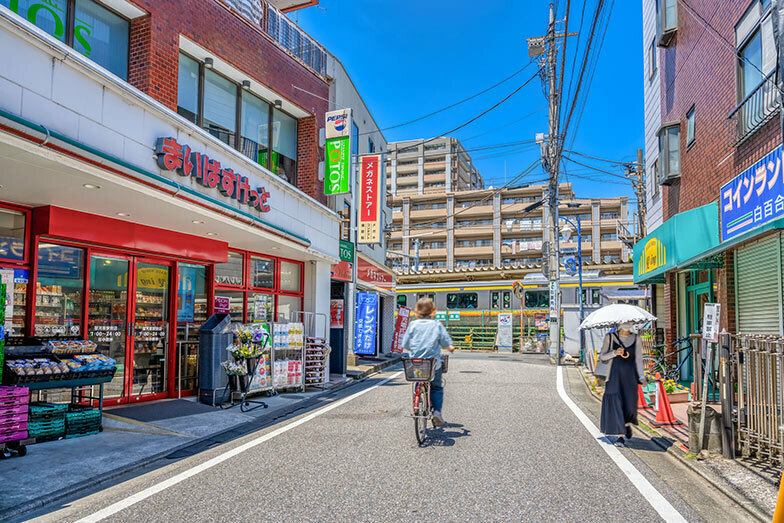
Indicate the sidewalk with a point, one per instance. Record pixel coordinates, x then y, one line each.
366 365
742 480
135 436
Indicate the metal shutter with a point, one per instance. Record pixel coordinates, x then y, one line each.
758 292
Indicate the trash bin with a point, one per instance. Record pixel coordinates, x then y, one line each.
713 427
214 336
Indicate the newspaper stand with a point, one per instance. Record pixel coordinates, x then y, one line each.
288 345
257 378
317 349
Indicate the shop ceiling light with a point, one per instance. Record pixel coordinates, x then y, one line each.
91 186
278 103
198 221
123 214
246 84
208 62
212 234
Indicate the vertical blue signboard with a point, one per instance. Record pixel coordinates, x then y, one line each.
365 328
754 197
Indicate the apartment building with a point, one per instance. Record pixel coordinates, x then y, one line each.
430 166
496 229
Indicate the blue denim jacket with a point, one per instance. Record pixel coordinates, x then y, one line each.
425 338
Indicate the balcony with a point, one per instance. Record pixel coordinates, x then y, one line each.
757 109
293 39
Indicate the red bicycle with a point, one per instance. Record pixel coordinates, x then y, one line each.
420 371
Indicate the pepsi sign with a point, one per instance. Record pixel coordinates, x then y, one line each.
338 123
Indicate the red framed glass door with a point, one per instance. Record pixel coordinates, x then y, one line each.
107 321
150 329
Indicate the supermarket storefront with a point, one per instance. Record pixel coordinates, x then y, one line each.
127 225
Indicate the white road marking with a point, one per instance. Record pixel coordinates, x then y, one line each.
649 492
182 476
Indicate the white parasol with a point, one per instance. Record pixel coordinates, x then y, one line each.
615 314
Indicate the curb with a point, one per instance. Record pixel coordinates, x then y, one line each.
374 369
102 479
739 499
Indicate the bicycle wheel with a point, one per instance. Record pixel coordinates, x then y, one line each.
652 365
420 413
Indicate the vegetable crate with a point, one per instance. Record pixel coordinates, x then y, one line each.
47 421
13 413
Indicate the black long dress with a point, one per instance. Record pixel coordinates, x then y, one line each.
619 404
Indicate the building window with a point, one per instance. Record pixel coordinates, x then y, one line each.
652 59
463 300
354 138
654 179
220 107
371 146
670 153
609 237
255 127
231 272
609 216
216 111
188 89
756 47
690 126
666 20
98 33
58 295
284 146
13 232
262 272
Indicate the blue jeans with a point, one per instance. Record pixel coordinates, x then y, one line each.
437 390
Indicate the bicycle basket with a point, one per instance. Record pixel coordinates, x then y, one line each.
419 369
445 363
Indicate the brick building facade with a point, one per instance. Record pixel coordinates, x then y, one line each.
717 95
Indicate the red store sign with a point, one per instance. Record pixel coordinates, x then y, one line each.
369 273
173 156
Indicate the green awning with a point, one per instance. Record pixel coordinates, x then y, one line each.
774 225
679 241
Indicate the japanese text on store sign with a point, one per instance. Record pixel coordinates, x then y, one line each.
365 327
401 326
370 199
173 156
754 197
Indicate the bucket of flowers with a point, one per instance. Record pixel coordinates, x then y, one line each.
237 373
249 344
676 392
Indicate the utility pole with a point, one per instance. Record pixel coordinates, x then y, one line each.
552 193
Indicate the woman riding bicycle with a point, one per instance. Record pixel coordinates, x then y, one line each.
425 338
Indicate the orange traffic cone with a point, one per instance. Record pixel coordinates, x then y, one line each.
642 403
664 416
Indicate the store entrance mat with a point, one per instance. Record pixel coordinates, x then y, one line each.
161 410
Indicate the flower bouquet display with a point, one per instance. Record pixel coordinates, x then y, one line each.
238 375
250 350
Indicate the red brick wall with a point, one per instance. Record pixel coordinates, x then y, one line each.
699 69
154 49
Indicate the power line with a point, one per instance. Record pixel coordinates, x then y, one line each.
505 125
597 158
475 118
456 103
596 168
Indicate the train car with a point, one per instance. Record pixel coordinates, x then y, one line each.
470 309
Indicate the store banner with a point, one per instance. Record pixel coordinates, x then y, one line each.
370 193
342 270
754 197
369 273
504 337
338 152
365 327
336 314
401 326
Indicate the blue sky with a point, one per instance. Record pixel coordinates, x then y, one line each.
411 57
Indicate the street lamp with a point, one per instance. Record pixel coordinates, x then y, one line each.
579 269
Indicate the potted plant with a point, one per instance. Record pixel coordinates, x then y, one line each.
237 373
676 393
